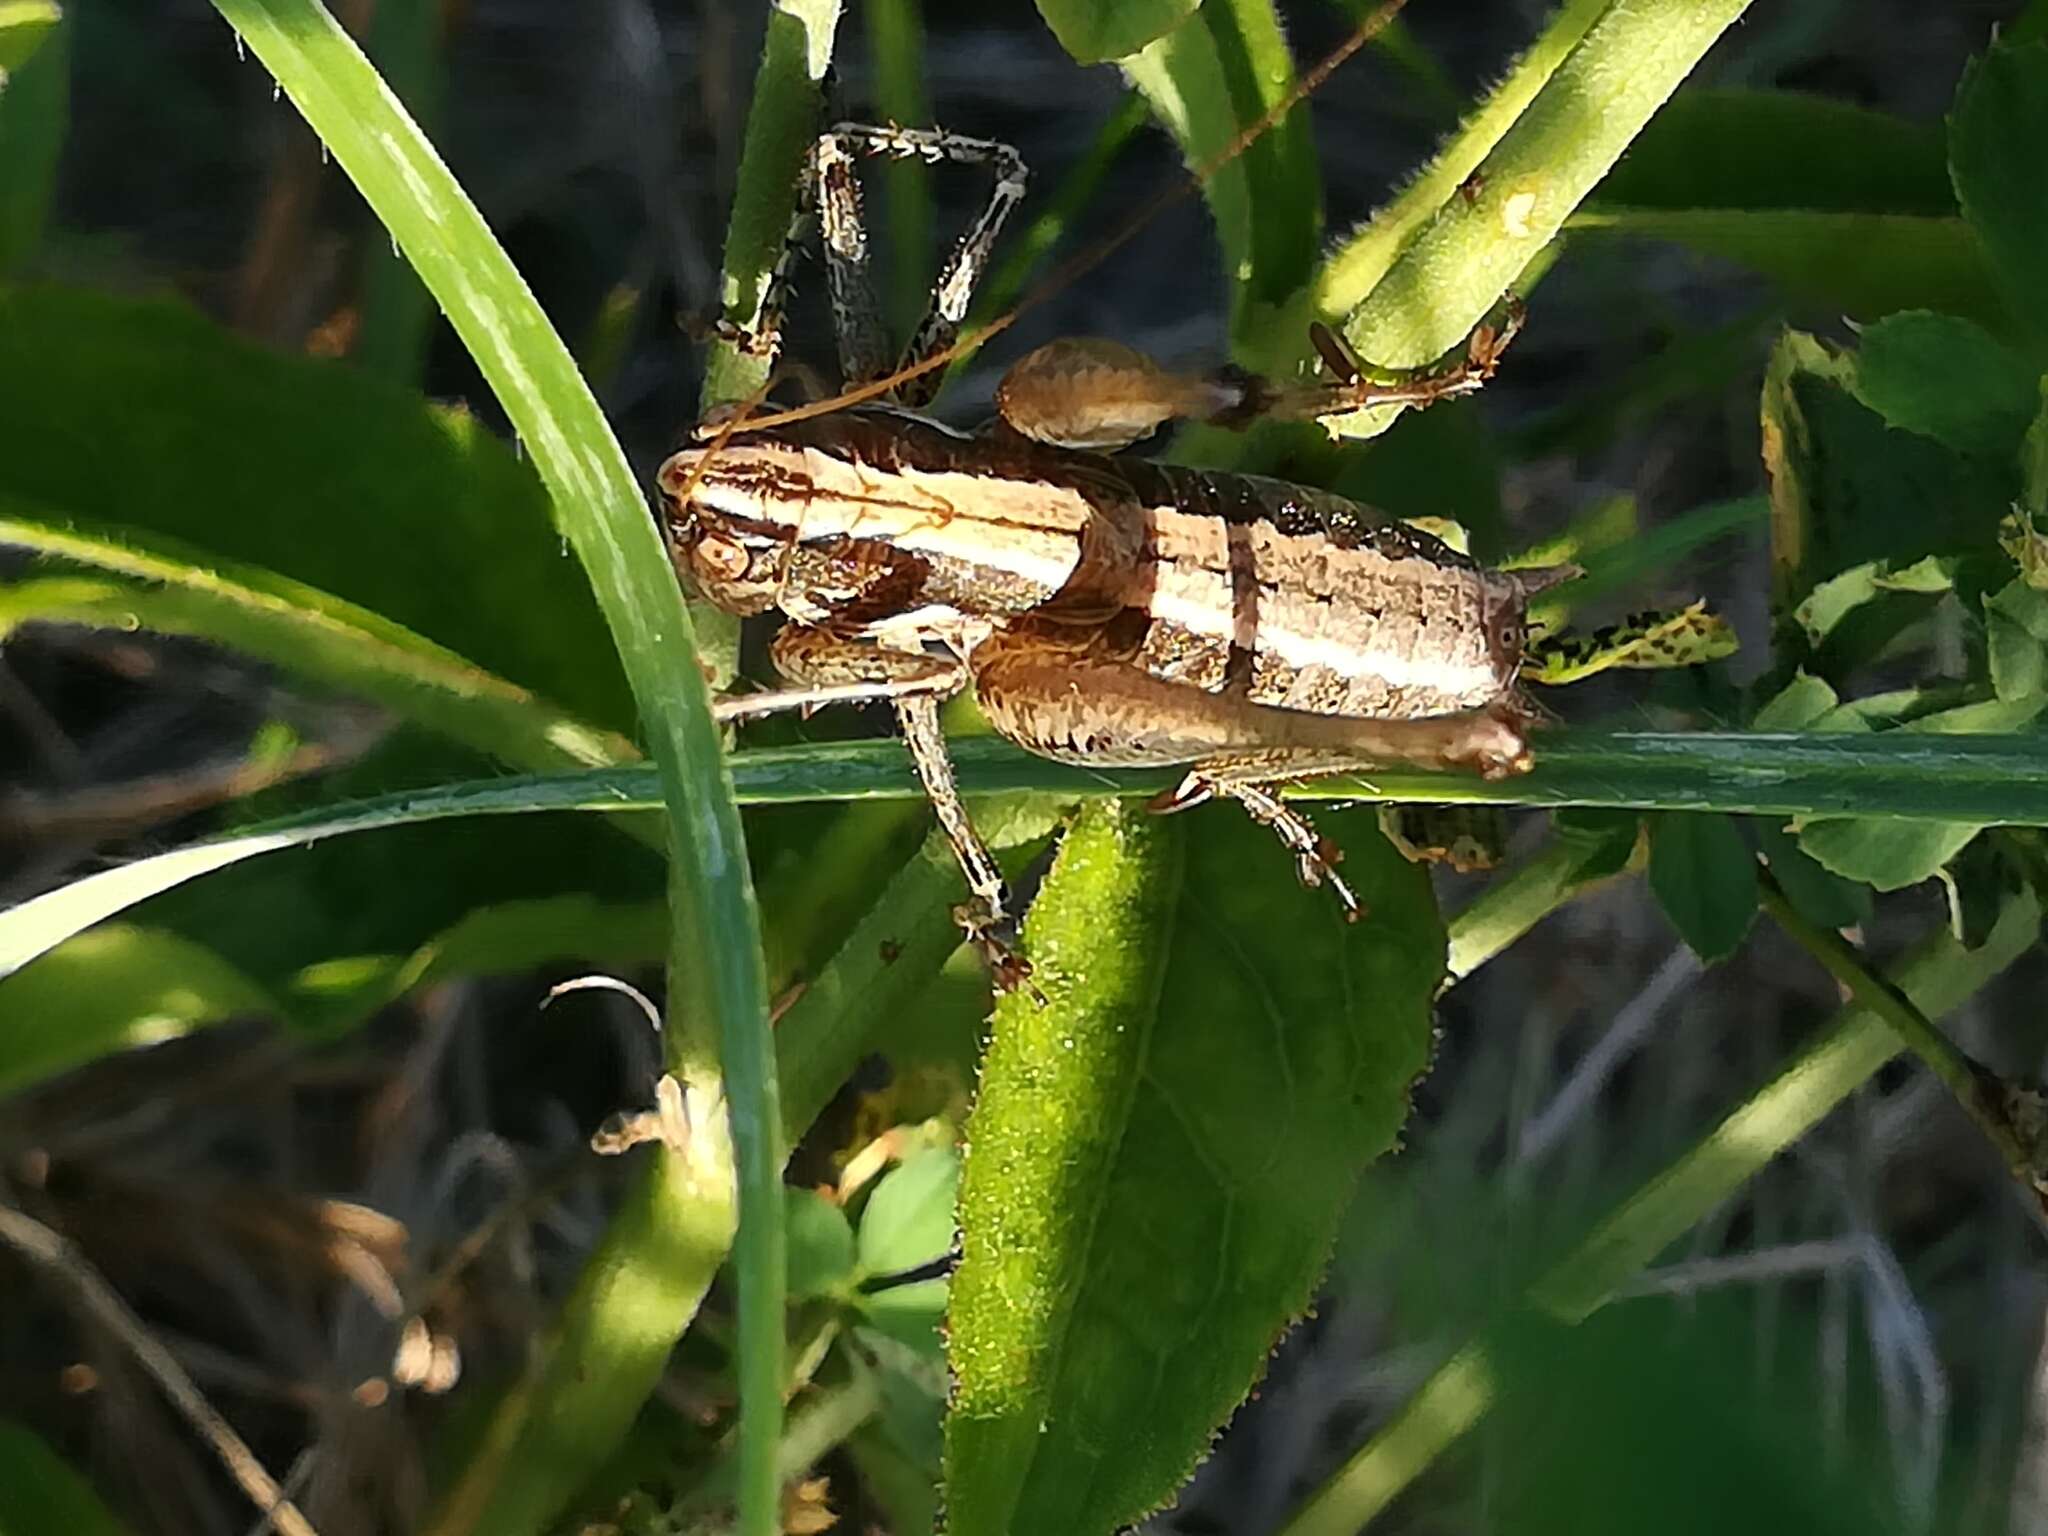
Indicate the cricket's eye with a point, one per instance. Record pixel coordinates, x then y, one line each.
720 557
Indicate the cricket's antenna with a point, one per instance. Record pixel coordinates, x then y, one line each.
1086 261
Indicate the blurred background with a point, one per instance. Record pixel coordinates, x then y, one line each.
1870 1310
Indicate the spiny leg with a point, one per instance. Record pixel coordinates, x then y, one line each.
819 658
1315 856
985 915
954 288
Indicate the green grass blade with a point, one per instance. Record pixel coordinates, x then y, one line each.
1938 975
294 626
608 1349
1912 776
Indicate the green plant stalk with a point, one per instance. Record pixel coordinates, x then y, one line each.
1516 902
782 124
1456 265
1971 1085
1938 975
895 31
641 1286
1358 264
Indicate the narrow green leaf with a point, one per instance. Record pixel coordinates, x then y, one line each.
1206 81
895 33
782 124
1721 148
1888 853
35 92
1906 775
46 1496
144 420
1094 32
114 989
1947 379
658 1257
1863 265
1704 876
1355 268
1160 1155
308 632
2000 115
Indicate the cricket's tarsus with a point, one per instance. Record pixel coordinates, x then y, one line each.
1105 610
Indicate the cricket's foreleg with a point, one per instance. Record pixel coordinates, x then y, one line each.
822 659
985 916
829 667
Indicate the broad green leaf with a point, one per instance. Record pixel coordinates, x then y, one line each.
1886 855
820 1245
1862 265
1948 379
1720 148
1848 491
1797 705
46 1495
1705 879
116 988
1999 118
909 1221
318 637
1841 596
35 87
2016 637
1096 31
1160 1154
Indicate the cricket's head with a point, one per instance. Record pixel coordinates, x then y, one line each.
1507 614
733 517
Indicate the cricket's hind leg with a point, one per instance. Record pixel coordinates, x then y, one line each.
1075 697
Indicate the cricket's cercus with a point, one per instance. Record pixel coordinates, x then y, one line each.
1105 610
